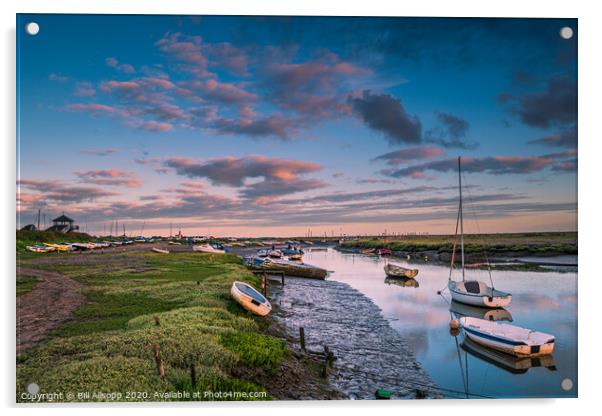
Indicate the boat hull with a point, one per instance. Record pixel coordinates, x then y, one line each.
395 271
290 268
159 250
479 299
250 299
498 341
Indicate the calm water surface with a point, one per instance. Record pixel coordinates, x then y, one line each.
544 301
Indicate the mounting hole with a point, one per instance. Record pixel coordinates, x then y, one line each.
32 28
566 384
33 388
566 33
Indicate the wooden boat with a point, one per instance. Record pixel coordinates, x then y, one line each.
402 281
207 248
472 292
160 250
275 254
460 310
511 339
384 252
507 362
250 299
39 248
289 268
395 270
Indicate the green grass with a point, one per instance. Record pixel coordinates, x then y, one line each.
108 347
26 284
533 243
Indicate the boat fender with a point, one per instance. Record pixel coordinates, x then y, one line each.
454 324
454 332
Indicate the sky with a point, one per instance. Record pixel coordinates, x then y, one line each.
284 126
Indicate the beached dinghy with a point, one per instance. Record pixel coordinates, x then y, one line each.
206 248
250 299
160 250
395 270
511 339
472 292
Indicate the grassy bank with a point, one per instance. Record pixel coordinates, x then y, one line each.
523 243
26 284
136 300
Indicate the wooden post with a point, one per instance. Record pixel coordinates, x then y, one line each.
193 374
302 337
328 356
157 321
159 361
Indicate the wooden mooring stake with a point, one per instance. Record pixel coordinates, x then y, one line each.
159 361
302 337
193 375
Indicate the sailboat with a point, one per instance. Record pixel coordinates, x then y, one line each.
472 292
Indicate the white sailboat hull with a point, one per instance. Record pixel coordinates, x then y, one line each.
484 297
514 340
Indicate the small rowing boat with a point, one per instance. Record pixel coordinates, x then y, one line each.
250 299
207 248
511 339
289 268
160 250
395 270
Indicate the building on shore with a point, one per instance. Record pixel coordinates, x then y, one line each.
63 224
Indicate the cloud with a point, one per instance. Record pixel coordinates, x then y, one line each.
554 106
386 114
99 151
233 171
125 68
215 91
495 165
450 132
58 77
566 137
273 125
109 177
269 189
156 126
84 89
59 192
404 156
103 173
94 109
186 49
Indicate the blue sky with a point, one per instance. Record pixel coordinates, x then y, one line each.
276 125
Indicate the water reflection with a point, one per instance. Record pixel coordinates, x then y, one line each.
460 309
514 365
402 281
422 318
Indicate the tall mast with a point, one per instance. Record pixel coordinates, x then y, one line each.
461 217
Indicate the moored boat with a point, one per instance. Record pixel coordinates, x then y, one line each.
160 250
384 252
368 251
250 299
207 248
296 257
275 254
395 270
472 292
290 268
511 339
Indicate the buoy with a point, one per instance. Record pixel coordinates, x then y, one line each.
454 324
382 394
454 332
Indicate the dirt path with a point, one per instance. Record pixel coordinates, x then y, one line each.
48 305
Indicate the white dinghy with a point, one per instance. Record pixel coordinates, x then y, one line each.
160 250
250 299
472 292
511 339
207 248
